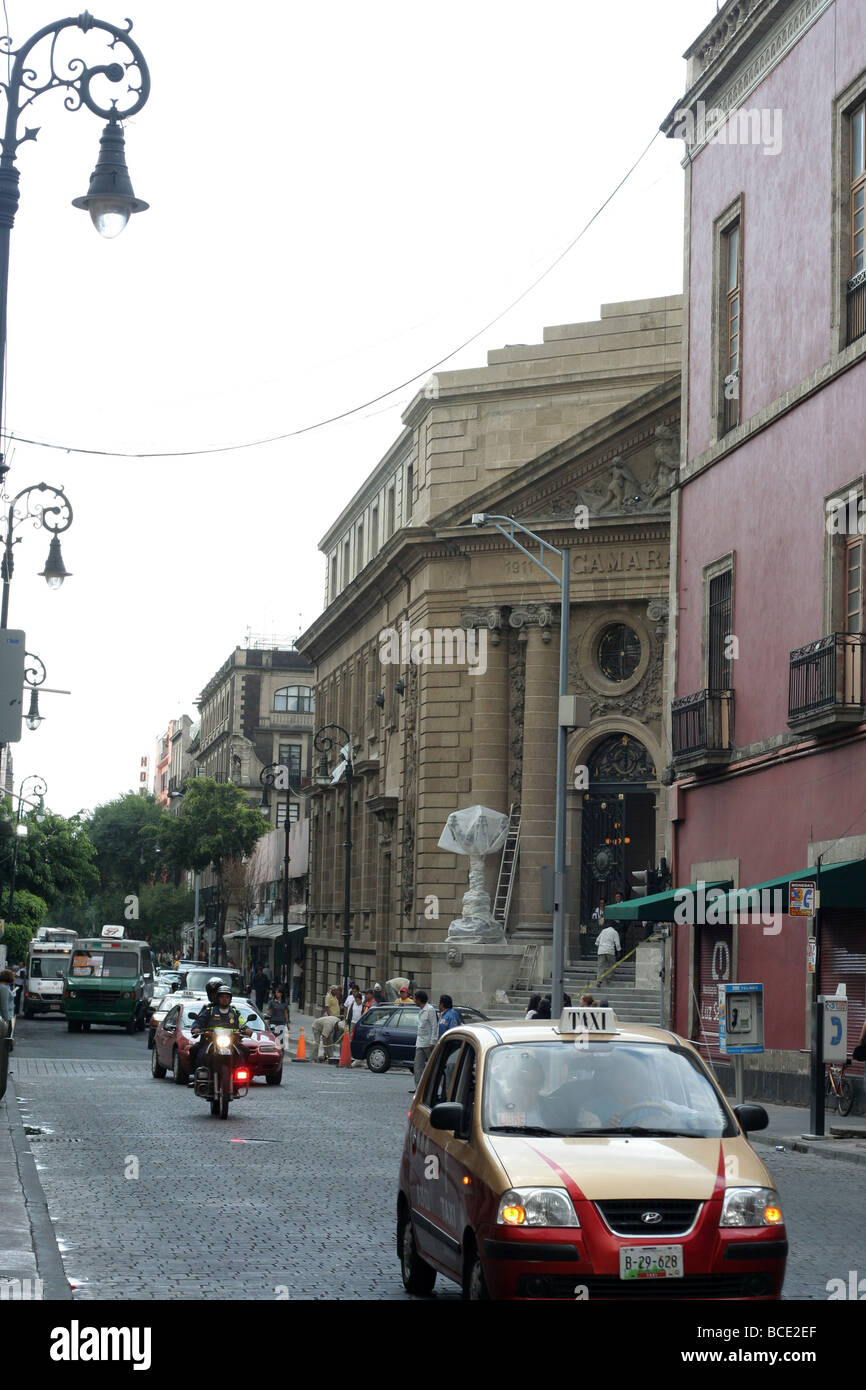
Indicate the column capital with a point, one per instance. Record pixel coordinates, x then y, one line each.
533 615
492 617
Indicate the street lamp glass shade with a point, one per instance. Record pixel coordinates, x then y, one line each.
110 199
55 571
33 718
324 777
265 805
21 831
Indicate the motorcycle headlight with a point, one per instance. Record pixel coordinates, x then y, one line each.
751 1206
223 1039
536 1206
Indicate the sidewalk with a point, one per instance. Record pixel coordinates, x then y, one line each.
29 1258
788 1124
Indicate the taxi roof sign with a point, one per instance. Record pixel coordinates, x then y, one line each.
588 1019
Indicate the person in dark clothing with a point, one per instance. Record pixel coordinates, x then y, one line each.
259 987
544 1007
220 1014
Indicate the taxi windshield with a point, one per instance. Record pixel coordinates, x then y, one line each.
585 1088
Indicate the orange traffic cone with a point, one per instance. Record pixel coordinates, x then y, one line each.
345 1051
301 1054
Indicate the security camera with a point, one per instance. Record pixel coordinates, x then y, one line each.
479 518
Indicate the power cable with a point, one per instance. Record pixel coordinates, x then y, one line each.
365 405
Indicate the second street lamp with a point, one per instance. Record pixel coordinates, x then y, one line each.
39 788
323 742
277 775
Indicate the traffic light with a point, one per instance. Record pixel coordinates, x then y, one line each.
212 915
641 882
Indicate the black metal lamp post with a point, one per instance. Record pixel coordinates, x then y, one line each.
55 515
323 742
109 199
39 788
277 775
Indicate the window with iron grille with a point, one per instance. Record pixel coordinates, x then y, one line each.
720 613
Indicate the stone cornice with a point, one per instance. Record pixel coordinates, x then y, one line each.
733 56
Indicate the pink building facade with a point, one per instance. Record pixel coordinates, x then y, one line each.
768 723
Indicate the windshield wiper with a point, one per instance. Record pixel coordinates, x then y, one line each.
631 1131
521 1129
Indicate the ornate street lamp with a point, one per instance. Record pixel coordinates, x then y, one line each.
109 199
276 775
323 742
39 788
54 516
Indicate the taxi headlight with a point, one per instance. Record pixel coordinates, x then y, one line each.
536 1206
751 1206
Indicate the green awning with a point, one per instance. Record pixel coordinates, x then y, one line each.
659 907
842 886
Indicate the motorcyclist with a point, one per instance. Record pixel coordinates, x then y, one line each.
220 1013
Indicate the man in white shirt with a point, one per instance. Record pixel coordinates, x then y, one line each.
607 945
428 1028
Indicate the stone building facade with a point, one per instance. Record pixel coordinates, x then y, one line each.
439 646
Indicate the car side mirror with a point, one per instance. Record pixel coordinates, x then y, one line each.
448 1114
752 1117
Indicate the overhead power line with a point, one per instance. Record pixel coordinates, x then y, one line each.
364 405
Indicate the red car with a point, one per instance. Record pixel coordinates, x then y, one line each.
173 1039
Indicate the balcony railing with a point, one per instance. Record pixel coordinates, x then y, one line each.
825 679
703 726
857 306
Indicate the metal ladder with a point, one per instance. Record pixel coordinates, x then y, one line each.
502 900
528 966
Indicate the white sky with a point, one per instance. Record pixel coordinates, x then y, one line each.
340 194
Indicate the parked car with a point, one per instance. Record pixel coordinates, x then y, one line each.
173 1039
385 1035
160 991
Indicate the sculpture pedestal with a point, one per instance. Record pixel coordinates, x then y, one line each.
481 971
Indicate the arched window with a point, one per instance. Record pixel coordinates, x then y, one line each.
296 699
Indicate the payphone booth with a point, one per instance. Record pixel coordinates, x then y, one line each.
741 1026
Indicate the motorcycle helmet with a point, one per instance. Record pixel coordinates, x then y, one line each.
223 990
213 988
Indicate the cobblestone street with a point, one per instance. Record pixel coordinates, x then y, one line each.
301 1178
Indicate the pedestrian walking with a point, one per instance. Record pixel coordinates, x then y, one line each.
355 1007
297 972
332 1002
606 945
7 1002
259 988
278 1017
448 1015
428 1026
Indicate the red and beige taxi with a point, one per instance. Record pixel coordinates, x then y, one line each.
584 1159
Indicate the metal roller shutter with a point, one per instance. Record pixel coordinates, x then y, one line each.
715 967
843 960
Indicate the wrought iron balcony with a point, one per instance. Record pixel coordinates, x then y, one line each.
857 306
703 729
825 683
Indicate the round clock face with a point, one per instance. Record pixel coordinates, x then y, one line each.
618 652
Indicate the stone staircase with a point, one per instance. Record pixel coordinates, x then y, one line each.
630 1005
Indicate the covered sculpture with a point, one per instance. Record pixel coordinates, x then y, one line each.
475 831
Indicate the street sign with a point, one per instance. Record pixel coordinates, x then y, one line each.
835 1014
741 1019
801 898
11 684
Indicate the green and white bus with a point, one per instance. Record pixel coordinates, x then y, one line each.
109 980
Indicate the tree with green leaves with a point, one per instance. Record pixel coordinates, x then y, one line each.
128 834
17 940
55 860
216 824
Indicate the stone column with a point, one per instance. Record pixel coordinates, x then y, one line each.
538 799
489 711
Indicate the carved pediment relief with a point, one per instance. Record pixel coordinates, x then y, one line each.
631 486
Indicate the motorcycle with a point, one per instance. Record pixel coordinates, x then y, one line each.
222 1076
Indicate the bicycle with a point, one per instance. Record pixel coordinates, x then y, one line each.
837 1084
